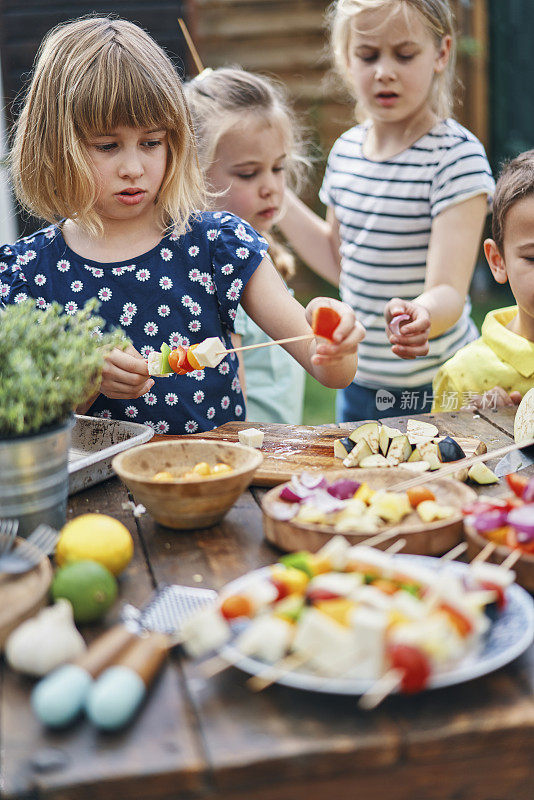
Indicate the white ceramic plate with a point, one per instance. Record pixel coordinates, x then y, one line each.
509 636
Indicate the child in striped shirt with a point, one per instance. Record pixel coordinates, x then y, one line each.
407 191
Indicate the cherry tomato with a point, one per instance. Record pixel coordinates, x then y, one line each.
517 483
418 494
281 588
236 606
178 360
324 321
316 595
414 665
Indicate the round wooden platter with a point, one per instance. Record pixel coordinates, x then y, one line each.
422 538
21 596
523 567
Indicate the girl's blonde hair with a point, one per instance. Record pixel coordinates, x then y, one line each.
218 99
93 75
437 17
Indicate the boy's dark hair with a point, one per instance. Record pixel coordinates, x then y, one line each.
516 181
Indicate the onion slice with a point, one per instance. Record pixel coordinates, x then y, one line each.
396 322
522 519
343 489
489 520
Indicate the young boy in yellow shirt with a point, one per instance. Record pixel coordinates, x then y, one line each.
498 368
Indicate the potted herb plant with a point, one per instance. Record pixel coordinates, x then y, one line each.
50 362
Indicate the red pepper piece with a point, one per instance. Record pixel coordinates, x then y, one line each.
324 321
414 665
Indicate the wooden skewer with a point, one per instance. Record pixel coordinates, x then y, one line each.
455 552
274 672
484 553
454 466
267 344
380 689
510 560
191 46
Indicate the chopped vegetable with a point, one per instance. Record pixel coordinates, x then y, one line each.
418 494
324 322
413 664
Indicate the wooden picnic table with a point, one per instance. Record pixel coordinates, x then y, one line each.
214 738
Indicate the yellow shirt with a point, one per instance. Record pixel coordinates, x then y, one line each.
499 358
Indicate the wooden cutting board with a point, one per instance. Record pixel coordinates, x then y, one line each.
290 449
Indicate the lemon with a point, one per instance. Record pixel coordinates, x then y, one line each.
96 537
89 586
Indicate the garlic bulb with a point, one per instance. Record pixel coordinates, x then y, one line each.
45 641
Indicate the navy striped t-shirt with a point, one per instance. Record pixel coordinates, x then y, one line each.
385 211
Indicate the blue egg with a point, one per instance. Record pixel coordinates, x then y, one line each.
114 697
60 697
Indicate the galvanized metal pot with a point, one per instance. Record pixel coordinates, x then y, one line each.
34 477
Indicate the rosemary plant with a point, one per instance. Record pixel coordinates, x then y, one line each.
49 363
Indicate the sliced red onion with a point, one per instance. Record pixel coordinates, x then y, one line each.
324 502
292 494
489 520
343 488
522 519
283 511
396 322
528 492
482 507
312 480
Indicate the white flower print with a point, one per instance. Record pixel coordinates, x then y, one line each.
20 297
40 280
187 300
105 413
226 219
76 286
50 233
195 308
71 308
242 252
149 423
162 426
97 272
173 237
263 253
191 426
171 398
242 234
198 396
97 333
142 275
197 374
232 294
131 411
195 325
118 271
176 338
105 294
130 308
262 239
21 259
125 319
217 215
232 313
3 266
225 402
29 255
210 413
165 253
129 268
151 329
235 384
41 302
238 410
227 269
4 289
164 311
165 282
150 398
194 274
146 350
7 251
211 234
224 368
194 251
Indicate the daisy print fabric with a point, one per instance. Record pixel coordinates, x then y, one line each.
185 290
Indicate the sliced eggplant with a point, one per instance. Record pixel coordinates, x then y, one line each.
342 447
480 473
386 434
370 431
449 450
416 466
415 456
429 453
461 475
375 460
399 451
359 451
524 418
424 429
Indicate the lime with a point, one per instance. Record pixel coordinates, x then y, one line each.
90 587
96 537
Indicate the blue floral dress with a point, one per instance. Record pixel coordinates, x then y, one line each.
184 290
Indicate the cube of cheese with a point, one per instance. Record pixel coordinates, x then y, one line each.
267 638
205 631
154 365
210 352
251 437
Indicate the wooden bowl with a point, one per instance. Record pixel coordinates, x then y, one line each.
189 503
523 568
422 538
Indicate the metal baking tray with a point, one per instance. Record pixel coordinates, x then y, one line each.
94 442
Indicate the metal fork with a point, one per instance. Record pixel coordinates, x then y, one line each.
8 533
44 538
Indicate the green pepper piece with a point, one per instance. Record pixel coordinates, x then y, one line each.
300 560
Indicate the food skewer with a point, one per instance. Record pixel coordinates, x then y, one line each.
192 49
267 344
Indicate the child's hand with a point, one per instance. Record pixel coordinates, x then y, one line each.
493 399
346 336
125 375
412 337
